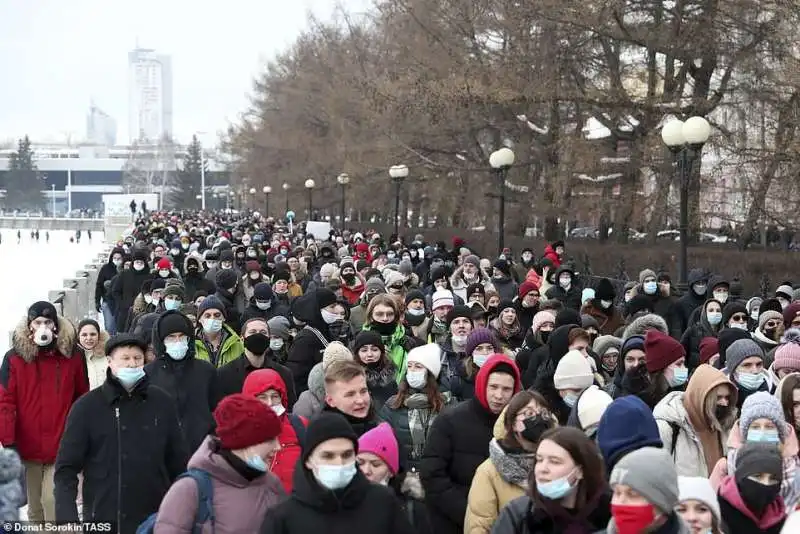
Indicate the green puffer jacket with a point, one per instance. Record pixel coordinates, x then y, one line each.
397 347
232 347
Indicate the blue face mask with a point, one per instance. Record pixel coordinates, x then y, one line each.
650 288
212 326
766 435
571 399
257 463
714 318
172 304
555 489
679 376
479 359
129 376
177 349
750 381
334 477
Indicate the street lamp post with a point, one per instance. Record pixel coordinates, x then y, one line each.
501 161
267 191
286 190
253 194
398 174
685 140
310 186
343 180
231 204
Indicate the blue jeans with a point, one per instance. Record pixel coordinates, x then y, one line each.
108 318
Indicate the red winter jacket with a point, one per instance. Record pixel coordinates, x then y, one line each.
38 389
353 293
550 253
282 466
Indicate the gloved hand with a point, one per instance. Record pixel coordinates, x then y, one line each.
636 380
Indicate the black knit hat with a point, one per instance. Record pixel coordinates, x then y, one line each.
226 279
324 427
367 337
212 303
503 267
175 290
475 288
281 274
44 309
771 304
567 316
459 311
263 291
146 286
173 322
605 290
125 340
756 458
415 294
733 308
325 297
157 284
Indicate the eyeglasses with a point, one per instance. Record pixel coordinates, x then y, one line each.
739 317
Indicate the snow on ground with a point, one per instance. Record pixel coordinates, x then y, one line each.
29 270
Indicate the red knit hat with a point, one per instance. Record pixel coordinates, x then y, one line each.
660 350
791 311
244 421
709 346
526 287
164 263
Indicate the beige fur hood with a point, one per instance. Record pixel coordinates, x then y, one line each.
27 349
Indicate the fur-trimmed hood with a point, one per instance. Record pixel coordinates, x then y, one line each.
24 346
640 326
457 281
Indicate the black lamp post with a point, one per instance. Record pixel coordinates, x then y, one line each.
398 173
343 180
501 160
685 140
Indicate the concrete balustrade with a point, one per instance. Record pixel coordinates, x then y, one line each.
50 223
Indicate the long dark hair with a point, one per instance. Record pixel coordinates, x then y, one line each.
586 455
790 383
435 398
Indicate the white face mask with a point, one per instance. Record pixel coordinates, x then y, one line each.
138 266
275 344
278 409
721 296
565 282
263 305
163 273
417 379
329 317
43 336
459 340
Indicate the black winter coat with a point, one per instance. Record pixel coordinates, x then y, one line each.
232 375
307 347
194 282
360 507
689 302
571 298
694 334
124 289
191 382
107 273
535 359
457 444
232 316
130 449
253 312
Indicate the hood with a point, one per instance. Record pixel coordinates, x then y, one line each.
488 368
558 342
197 257
115 250
696 275
703 381
703 319
219 469
640 326
158 344
564 268
316 382
24 346
779 388
713 281
305 309
261 380
773 514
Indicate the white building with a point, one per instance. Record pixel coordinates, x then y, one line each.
101 128
150 95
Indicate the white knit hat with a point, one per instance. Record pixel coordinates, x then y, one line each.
392 277
573 372
442 297
335 352
699 489
591 406
429 356
327 271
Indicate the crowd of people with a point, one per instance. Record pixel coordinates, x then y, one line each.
248 377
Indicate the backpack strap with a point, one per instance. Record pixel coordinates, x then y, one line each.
299 429
319 335
675 431
205 499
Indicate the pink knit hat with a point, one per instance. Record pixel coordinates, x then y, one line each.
544 316
787 355
381 442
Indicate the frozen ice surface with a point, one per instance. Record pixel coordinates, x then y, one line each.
29 270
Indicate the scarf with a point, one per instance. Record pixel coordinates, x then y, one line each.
514 468
420 419
503 331
381 376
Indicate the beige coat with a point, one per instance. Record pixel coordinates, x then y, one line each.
96 362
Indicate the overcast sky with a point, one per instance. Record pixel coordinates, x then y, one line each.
56 56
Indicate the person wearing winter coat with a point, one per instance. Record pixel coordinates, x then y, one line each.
369 350
459 442
507 328
645 494
311 402
191 382
42 375
503 476
749 498
12 497
262 304
692 299
694 425
237 459
469 272
330 493
626 425
194 279
126 440
216 341
353 284
269 387
127 285
527 304
567 288
708 324
314 309
503 282
384 318
745 367
257 355
346 393
103 300
602 308
568 491
481 344
415 319
768 330
542 325
92 340
554 252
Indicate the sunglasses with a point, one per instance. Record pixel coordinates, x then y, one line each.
771 324
396 288
739 317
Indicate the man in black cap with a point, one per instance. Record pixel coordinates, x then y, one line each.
191 382
41 377
112 423
330 493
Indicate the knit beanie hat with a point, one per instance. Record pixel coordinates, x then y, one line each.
158 284
605 290
279 327
324 297
661 350
762 405
647 273
439 273
442 297
477 287
392 278
573 372
757 457
789 314
787 355
591 406
651 473
785 291
731 309
633 342
415 294
542 317
472 259
211 303
768 315
174 322
226 279
709 346
588 321
326 426
567 316
627 424
602 344
44 309
699 489
367 337
406 268
382 442
459 311
375 286
335 352
163 263
429 356
281 274
526 287
727 337
243 421
263 291
174 290
741 350
327 270
479 336
252 265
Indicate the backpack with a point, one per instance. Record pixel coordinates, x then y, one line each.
205 504
299 429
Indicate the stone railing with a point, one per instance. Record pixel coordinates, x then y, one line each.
49 223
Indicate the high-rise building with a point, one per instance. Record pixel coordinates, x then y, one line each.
101 128
150 95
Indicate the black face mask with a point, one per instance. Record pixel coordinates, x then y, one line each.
770 333
545 334
349 278
636 380
257 343
414 320
384 329
536 426
192 269
756 495
721 412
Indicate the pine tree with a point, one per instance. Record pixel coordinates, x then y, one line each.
23 184
189 178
